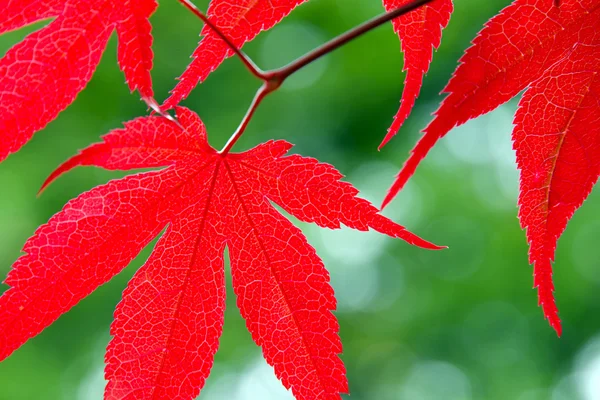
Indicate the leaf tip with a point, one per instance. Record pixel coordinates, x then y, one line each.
543 283
433 246
551 314
415 240
65 167
385 141
557 327
392 192
51 178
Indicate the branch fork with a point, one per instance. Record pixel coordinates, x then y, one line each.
273 79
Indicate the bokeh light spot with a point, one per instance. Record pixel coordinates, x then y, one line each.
435 380
277 50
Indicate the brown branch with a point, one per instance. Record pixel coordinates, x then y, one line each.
254 70
344 38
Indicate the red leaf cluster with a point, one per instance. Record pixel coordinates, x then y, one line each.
553 52
167 326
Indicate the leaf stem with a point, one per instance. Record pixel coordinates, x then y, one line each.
273 79
262 92
153 105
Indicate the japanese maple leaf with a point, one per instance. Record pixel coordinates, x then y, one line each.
167 326
43 74
241 21
420 31
553 52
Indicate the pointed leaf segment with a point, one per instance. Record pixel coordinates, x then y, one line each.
167 326
238 22
43 74
419 32
553 51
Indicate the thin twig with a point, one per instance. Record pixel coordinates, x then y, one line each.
153 105
254 70
341 40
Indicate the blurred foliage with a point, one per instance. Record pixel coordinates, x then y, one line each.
458 324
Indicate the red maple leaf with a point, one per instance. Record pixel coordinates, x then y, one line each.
554 52
420 31
241 21
43 74
167 326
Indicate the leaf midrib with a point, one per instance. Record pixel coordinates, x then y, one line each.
559 148
186 281
262 248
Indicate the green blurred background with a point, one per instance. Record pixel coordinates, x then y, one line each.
459 324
